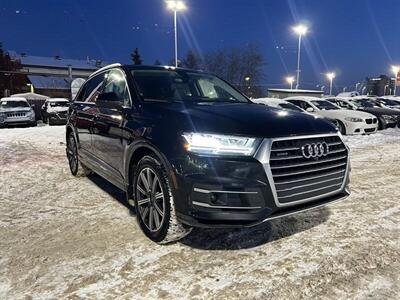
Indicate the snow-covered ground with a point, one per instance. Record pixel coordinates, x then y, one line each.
67 237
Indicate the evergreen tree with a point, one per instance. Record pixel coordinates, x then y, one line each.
136 58
192 60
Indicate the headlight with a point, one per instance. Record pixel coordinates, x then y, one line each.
30 114
389 118
204 143
350 119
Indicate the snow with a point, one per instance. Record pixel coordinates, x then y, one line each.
66 237
31 60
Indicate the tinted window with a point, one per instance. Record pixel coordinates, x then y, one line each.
89 87
290 106
302 104
324 105
59 103
115 83
12 104
184 86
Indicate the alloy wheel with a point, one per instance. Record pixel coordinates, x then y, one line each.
150 199
72 154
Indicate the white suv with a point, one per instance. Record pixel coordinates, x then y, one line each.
349 121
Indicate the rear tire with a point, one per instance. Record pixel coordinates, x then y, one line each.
154 202
76 167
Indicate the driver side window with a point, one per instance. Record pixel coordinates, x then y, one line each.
115 85
304 105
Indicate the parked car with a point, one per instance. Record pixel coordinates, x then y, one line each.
388 102
349 122
387 118
282 104
278 103
192 151
54 111
16 111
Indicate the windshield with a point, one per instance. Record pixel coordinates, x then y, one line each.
184 86
59 104
364 103
324 105
290 106
12 104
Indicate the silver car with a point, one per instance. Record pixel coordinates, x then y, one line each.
16 111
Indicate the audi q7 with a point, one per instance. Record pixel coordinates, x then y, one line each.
190 150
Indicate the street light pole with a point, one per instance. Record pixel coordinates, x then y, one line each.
330 76
298 63
176 40
300 30
396 70
176 6
290 80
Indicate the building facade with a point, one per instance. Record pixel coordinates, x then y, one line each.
52 76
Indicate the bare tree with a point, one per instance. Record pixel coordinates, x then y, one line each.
243 67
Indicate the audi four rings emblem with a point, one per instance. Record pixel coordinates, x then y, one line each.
315 150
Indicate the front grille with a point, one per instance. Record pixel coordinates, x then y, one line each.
16 115
368 121
369 130
297 178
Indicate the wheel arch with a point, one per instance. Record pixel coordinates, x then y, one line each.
135 154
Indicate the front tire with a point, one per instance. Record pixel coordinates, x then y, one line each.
76 167
155 204
341 128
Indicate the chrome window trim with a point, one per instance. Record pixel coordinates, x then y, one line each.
263 155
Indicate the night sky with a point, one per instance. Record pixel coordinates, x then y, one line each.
354 38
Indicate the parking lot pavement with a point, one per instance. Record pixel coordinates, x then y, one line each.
66 237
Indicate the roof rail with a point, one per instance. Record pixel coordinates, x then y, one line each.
105 68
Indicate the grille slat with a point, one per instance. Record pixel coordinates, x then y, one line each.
309 184
311 162
298 178
15 115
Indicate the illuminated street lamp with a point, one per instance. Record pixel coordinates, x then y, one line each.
290 80
395 70
300 30
176 6
330 76
31 88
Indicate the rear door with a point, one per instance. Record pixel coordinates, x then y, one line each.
86 111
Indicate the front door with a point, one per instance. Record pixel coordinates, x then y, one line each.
108 139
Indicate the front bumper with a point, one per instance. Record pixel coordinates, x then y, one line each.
17 121
356 128
237 192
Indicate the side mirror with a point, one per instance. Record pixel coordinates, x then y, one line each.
309 109
109 100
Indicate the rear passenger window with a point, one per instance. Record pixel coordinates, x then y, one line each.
89 87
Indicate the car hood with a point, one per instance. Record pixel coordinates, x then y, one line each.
15 109
381 111
240 119
343 113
